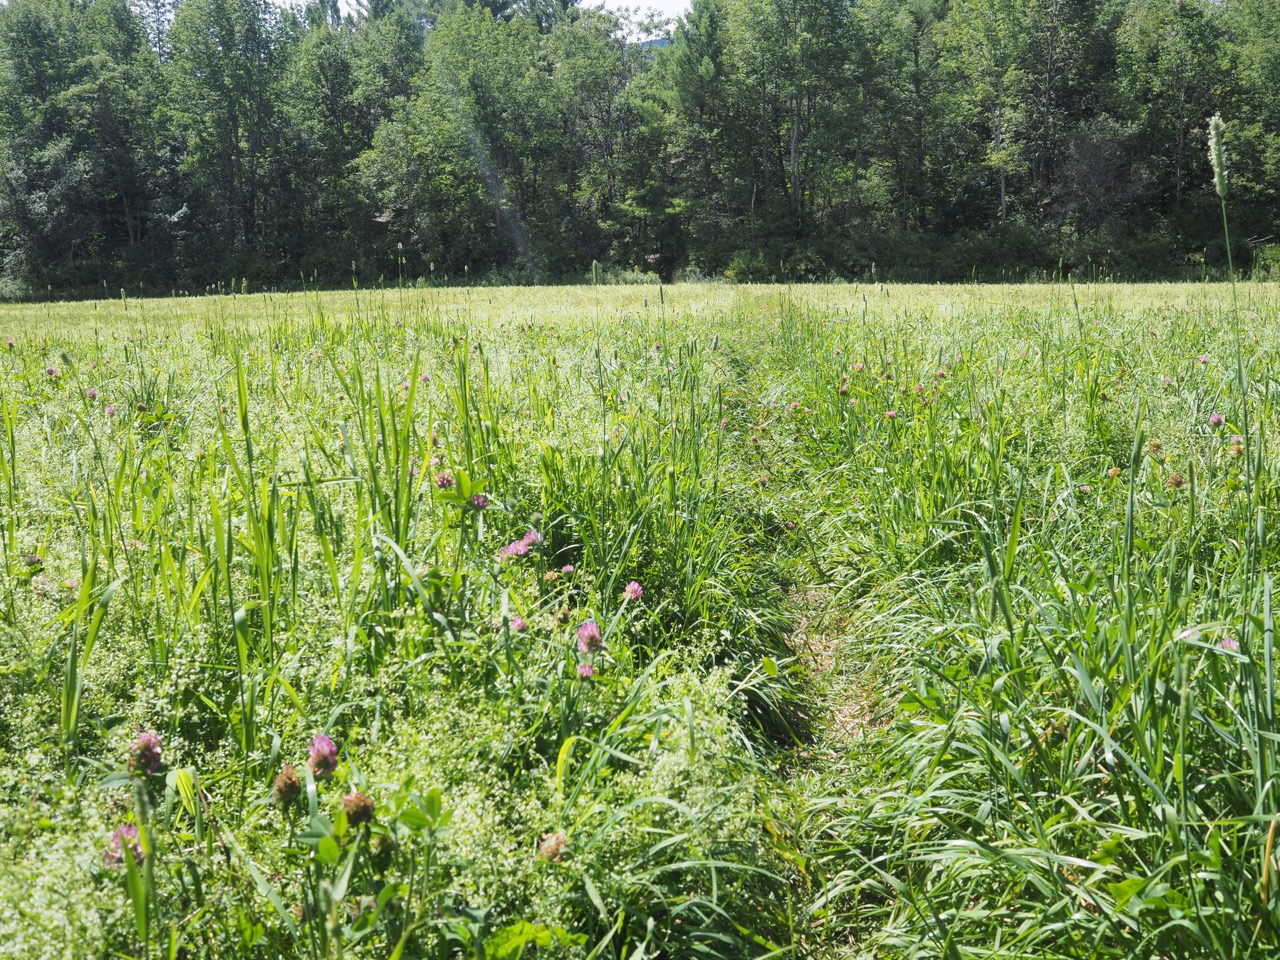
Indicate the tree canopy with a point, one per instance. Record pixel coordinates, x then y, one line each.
152 145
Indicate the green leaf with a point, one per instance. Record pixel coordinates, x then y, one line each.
1126 890
137 892
327 850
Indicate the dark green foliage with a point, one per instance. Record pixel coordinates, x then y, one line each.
157 146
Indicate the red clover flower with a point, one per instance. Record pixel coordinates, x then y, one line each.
145 754
358 808
124 840
553 846
288 787
589 638
322 756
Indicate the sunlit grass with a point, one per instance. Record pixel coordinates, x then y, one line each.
1019 517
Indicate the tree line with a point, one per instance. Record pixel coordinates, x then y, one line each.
156 146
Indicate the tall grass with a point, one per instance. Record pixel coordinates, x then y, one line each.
409 522
1078 644
292 529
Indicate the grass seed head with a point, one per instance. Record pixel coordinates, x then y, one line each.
1218 154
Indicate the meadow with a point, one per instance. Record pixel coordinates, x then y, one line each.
634 622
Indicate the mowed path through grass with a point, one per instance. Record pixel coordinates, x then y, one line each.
693 621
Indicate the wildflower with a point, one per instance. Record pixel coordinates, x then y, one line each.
32 560
1237 447
479 501
52 372
518 548
1114 472
358 807
288 787
1153 446
91 393
586 671
724 422
633 591
8 342
1175 481
519 624
145 754
553 846
41 585
551 576
939 374
859 367
891 414
322 756
1230 644
919 388
589 637
790 525
762 481
1216 419
754 438
1202 359
141 407
444 480
125 839
423 378
1168 381
567 569
1085 488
